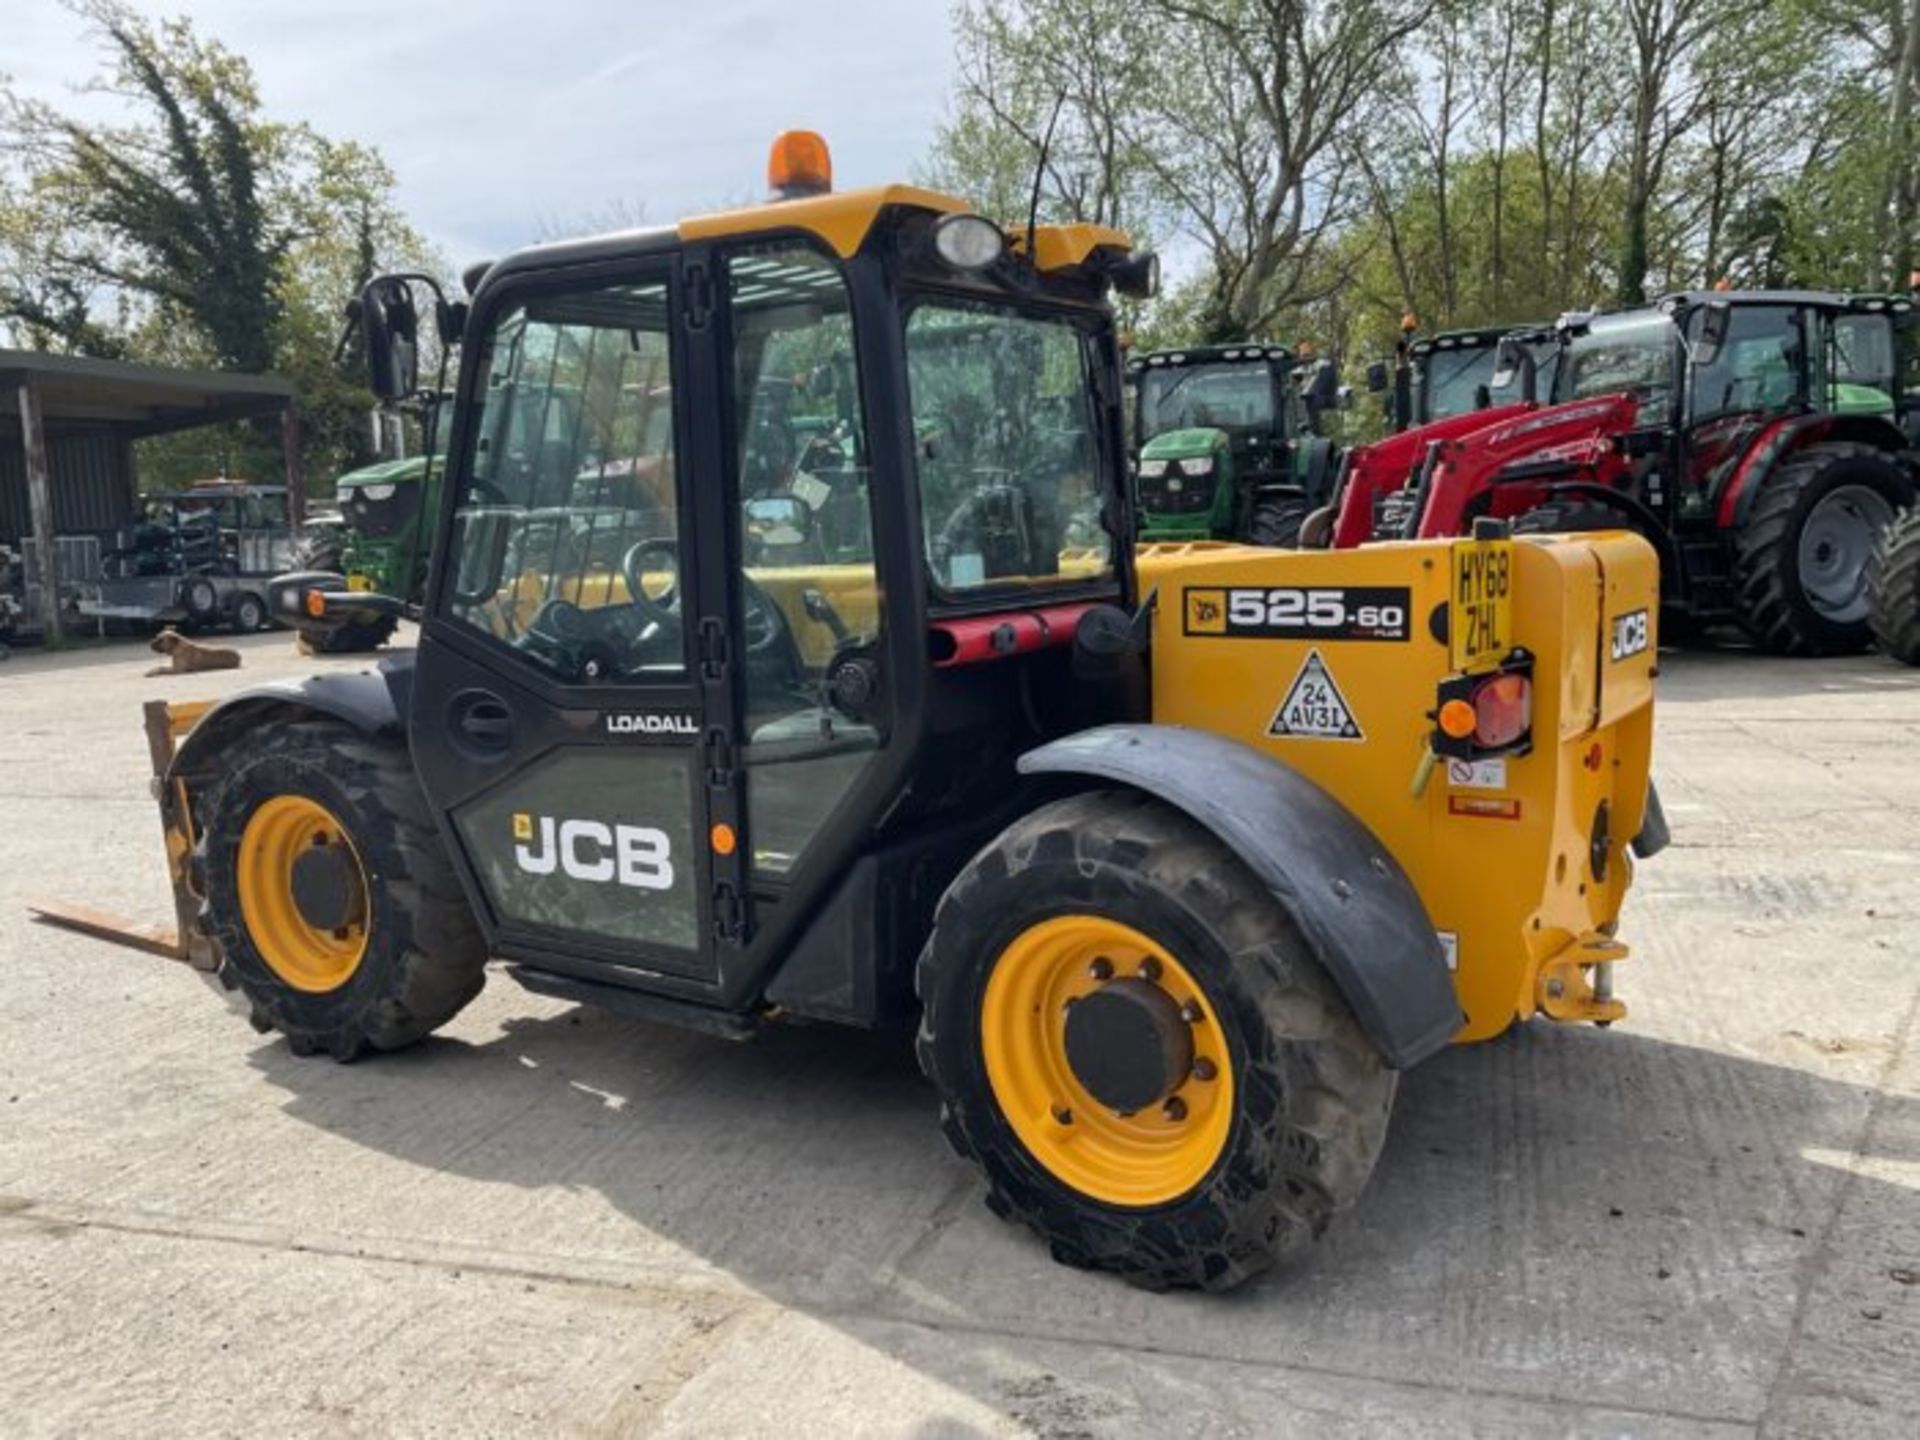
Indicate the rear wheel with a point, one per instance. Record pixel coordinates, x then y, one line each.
1276 521
1893 587
1134 1043
1800 561
329 896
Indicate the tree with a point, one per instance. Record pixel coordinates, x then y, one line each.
195 230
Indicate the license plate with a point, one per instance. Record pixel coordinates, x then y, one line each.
1480 630
359 582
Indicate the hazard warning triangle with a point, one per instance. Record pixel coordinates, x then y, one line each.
1314 708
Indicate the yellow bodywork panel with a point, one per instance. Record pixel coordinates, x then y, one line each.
843 219
1301 654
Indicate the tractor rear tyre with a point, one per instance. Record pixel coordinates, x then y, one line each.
1800 560
1893 583
315 552
1276 520
328 895
1134 1043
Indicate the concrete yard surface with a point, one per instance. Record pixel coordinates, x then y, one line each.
1705 1221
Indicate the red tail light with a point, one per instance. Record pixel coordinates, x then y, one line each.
1503 710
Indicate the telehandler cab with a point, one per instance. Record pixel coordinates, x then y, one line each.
1180 859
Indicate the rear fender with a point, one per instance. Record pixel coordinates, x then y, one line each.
1350 898
1744 481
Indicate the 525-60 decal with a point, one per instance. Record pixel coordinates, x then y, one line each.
1293 612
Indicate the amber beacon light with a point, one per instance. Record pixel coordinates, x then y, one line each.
799 165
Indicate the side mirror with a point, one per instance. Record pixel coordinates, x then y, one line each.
1377 378
1482 397
392 330
1323 386
778 522
1715 322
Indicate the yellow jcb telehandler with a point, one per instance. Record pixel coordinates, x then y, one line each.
787 658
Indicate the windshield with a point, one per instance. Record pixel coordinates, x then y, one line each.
1224 396
1450 380
1620 354
1007 457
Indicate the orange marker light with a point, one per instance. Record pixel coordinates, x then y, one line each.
1409 322
723 838
316 604
1458 719
799 165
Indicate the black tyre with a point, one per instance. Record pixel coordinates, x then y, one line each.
1893 589
329 896
200 598
313 551
1800 560
323 552
1057 957
352 639
1276 521
249 612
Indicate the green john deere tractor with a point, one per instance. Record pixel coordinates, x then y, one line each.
1229 442
380 544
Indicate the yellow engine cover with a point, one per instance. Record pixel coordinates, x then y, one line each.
1331 662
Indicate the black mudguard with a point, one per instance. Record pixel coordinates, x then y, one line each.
374 702
1347 894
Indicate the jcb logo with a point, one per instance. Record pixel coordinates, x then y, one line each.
589 850
1206 612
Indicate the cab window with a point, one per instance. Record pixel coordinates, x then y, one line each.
1758 368
806 589
565 529
1005 446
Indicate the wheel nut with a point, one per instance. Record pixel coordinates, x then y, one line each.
1203 1068
1062 1115
1101 968
1175 1108
1192 1013
1149 969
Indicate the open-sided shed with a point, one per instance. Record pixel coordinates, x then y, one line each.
67 430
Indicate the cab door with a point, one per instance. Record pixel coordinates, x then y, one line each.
571 719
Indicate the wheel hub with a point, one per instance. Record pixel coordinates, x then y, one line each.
326 886
1127 1045
1835 541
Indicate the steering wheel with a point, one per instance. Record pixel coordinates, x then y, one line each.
662 609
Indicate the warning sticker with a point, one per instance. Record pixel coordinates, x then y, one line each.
1477 774
1314 708
1450 947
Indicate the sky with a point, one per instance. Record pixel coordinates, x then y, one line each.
511 120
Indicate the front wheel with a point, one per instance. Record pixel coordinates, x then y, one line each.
1893 586
328 896
1135 1044
1276 521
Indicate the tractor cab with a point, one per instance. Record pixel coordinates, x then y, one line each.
1229 441
1761 440
1458 372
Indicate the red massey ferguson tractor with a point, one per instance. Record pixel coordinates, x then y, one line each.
1762 441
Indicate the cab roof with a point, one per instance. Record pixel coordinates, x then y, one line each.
1212 354
842 220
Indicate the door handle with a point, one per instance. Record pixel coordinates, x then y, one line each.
483 721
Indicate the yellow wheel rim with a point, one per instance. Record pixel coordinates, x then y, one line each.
305 956
1149 1157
